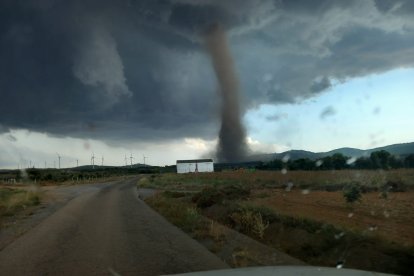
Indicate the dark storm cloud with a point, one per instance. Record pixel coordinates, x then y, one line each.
320 85
138 70
327 112
276 117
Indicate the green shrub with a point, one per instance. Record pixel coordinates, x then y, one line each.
208 197
191 219
233 192
174 194
396 186
214 195
181 215
144 183
352 192
250 222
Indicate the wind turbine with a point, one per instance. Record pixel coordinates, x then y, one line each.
77 162
131 157
102 160
59 158
144 157
93 160
126 161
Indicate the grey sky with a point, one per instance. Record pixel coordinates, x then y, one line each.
126 70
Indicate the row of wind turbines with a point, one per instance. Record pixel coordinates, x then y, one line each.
132 157
31 164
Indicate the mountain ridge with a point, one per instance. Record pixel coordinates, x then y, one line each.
401 149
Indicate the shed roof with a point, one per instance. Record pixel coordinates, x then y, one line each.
195 161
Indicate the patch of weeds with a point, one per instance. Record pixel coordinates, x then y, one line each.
240 257
270 216
174 194
250 222
216 195
384 191
310 250
191 219
216 231
263 195
310 226
182 215
235 192
333 187
352 192
144 182
14 200
396 186
208 197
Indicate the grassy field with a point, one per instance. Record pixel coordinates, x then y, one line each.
301 213
315 180
13 201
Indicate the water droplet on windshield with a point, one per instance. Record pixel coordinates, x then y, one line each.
305 191
319 163
351 160
289 186
286 158
372 228
339 264
350 215
340 235
283 171
386 214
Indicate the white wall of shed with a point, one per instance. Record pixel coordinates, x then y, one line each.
191 167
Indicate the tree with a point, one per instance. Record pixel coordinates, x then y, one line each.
302 164
276 164
409 161
326 163
380 159
363 163
395 162
339 161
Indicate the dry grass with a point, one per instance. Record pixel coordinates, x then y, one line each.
321 180
216 231
311 220
14 200
390 218
181 214
250 222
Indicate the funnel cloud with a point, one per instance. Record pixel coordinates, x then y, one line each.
232 144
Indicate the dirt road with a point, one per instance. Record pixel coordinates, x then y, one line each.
105 231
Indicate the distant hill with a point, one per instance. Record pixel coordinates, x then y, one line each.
395 149
90 167
346 151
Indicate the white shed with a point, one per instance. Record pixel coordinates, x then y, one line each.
196 165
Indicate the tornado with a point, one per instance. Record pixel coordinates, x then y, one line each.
231 145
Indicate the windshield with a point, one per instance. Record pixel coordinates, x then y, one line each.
270 126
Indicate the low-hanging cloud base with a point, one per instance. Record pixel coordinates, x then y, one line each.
124 71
